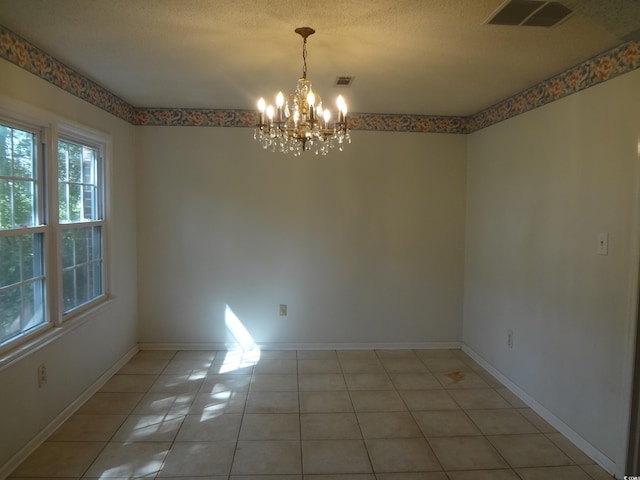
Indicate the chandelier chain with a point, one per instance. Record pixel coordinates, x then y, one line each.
304 58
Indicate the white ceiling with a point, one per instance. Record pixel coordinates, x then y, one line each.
432 57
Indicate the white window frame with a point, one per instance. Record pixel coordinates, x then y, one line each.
50 128
83 137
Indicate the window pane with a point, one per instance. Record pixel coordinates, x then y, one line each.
17 178
78 188
21 259
10 256
82 266
24 203
23 154
32 256
6 205
5 151
22 309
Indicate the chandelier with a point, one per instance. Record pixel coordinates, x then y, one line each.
299 123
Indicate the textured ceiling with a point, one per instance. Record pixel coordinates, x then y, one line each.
432 57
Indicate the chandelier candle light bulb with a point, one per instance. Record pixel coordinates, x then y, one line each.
301 123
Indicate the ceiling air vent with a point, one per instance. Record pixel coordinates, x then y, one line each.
343 81
530 13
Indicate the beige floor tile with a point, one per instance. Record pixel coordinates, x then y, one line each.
466 453
234 363
415 381
500 422
492 381
319 366
539 422
502 474
128 383
478 398
287 412
272 402
148 428
377 401
88 428
529 451
274 383
426 354
596 472
256 477
111 403
168 404
404 365
556 473
445 423
357 355
412 476
569 449
207 427
277 366
221 402
321 382
402 455
278 355
271 457
368 381
429 400
444 365
270 426
334 456
324 426
198 459
361 366
144 365
225 383
336 476
388 425
396 354
325 402
511 397
461 379
59 459
188 366
317 355
129 460
188 383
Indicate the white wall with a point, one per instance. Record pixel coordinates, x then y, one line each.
540 187
76 360
364 246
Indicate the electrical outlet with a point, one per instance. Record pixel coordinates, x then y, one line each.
283 310
42 375
510 338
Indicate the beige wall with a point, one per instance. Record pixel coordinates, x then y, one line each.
540 188
364 246
77 359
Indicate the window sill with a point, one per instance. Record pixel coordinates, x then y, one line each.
21 351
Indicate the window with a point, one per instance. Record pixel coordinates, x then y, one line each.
81 219
52 228
22 280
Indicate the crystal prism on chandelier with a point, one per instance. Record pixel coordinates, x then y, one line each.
299 123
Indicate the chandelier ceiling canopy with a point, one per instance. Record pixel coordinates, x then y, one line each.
300 122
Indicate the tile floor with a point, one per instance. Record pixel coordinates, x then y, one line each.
369 415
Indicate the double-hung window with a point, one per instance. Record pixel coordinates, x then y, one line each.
22 233
81 219
52 228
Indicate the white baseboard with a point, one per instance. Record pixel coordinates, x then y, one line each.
586 447
45 433
307 346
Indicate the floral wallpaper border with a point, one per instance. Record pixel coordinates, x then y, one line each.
612 63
